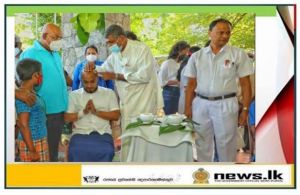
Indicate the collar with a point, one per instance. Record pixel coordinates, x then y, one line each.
38 46
209 50
82 91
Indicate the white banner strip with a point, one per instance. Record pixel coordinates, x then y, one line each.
249 175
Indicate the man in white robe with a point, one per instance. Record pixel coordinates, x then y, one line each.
131 66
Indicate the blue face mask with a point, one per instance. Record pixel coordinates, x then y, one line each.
115 48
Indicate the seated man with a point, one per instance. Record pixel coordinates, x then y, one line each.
91 108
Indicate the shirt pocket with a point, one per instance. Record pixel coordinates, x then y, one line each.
227 71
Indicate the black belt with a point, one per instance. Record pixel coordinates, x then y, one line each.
217 97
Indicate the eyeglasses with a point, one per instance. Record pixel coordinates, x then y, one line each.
55 37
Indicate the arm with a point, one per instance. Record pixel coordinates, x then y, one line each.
111 76
189 96
113 112
68 79
26 134
144 68
71 116
25 96
173 83
112 115
76 80
246 98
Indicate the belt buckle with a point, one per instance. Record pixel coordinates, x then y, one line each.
211 98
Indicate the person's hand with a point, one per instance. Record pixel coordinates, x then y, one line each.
188 113
87 108
243 118
25 96
107 75
92 108
90 66
178 84
34 156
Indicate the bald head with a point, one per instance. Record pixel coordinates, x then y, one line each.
51 29
50 33
89 81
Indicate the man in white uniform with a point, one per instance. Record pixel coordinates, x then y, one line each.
131 66
212 74
91 108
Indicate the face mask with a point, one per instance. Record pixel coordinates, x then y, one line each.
55 45
91 58
115 48
180 58
17 51
40 79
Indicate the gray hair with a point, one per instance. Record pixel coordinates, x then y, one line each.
115 31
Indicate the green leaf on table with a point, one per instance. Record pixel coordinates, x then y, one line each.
170 128
190 121
89 21
82 36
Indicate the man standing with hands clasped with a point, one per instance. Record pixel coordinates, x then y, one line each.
131 66
212 74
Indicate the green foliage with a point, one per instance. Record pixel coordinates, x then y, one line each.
162 31
85 23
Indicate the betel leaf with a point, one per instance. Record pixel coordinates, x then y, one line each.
102 24
190 121
82 36
89 21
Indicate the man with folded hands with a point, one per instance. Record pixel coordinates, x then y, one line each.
211 93
91 108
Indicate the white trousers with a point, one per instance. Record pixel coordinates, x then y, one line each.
220 119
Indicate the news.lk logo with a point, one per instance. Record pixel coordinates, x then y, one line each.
271 176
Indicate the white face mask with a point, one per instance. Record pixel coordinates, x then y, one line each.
91 58
17 51
55 45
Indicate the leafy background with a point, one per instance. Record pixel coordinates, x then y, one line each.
162 31
159 30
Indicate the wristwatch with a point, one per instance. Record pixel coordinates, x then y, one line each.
245 108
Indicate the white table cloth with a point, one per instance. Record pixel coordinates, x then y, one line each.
148 146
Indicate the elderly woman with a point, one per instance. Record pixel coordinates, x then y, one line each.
91 54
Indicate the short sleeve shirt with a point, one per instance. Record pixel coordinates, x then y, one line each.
168 71
217 74
104 100
37 118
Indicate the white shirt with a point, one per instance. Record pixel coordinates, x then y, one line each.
104 100
168 72
142 92
214 77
